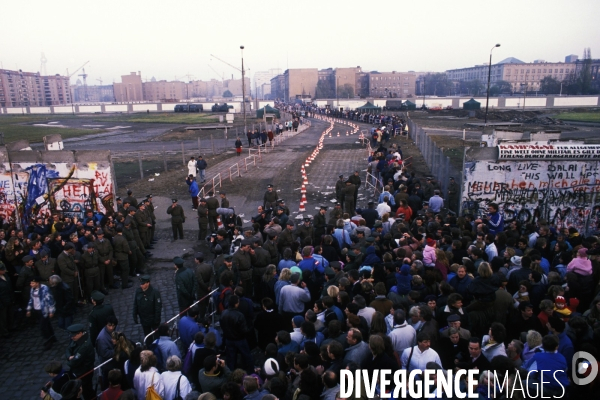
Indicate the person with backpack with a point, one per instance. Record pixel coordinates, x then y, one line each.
176 385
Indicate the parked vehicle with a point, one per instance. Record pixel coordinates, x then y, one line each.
182 108
221 108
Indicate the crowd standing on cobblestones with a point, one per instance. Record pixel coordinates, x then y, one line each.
403 283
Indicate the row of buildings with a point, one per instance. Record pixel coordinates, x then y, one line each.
18 88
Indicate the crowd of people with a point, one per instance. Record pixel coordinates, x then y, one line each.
277 309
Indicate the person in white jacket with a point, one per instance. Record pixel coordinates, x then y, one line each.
147 375
192 167
173 378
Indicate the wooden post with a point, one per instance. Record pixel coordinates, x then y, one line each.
141 167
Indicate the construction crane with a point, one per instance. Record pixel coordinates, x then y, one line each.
216 72
85 92
76 70
100 80
225 62
189 76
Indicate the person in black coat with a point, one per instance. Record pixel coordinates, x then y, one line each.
235 331
452 348
65 303
475 359
268 322
380 360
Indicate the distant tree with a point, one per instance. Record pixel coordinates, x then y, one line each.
437 84
500 87
345 91
550 85
227 93
585 75
325 90
472 88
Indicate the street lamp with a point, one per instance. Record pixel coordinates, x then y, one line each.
243 90
487 100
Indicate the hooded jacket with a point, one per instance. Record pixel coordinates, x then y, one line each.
403 280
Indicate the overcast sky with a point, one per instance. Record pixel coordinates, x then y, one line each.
169 39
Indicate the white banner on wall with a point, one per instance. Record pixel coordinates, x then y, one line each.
538 151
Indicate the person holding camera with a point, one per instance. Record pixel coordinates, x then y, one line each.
214 374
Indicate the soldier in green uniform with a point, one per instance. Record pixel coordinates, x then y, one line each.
350 197
243 260
46 266
99 315
202 219
453 195
427 188
134 228
130 199
177 219
281 204
80 357
122 252
339 190
68 269
204 280
147 306
355 179
105 260
91 271
270 198
304 231
184 284
151 215
320 225
143 223
286 237
212 203
335 214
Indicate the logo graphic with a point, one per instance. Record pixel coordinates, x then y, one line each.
582 362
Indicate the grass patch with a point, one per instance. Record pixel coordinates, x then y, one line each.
15 128
161 118
580 116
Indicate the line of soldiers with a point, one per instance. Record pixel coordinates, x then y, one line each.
346 192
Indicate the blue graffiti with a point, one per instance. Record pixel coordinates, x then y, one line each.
37 185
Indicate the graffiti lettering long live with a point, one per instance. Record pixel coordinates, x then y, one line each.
36 184
565 193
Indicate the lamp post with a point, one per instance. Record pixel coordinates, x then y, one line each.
243 90
487 100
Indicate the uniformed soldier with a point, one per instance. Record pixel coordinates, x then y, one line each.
335 214
427 188
212 204
224 200
177 219
282 216
355 179
68 269
286 238
228 266
270 198
204 277
320 224
99 315
130 199
453 195
259 266
306 230
144 224
89 264
120 206
122 253
339 189
46 266
105 260
147 306
243 260
80 356
281 204
150 211
134 229
270 246
349 198
202 219
184 284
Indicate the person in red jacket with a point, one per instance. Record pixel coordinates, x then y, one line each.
403 208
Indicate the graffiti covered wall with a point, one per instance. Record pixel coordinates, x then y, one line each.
34 183
565 193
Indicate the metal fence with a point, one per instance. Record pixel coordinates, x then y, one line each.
438 163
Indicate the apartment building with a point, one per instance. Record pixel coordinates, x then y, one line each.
23 89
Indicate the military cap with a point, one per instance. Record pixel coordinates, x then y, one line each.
127 221
99 232
68 246
97 296
178 261
425 203
323 208
174 200
126 202
76 328
36 279
307 219
378 224
199 255
453 318
429 178
451 178
370 239
118 198
26 259
149 196
131 208
246 242
355 246
329 272
203 200
91 245
371 203
2 266
145 278
280 201
227 257
269 186
341 175
290 223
